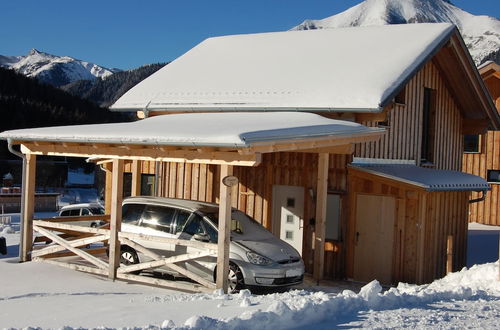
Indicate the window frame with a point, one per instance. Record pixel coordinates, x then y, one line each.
479 144
488 176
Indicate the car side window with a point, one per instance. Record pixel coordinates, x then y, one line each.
86 212
182 218
74 213
194 226
132 212
211 232
65 213
158 217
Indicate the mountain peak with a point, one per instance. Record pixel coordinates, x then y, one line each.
34 51
480 33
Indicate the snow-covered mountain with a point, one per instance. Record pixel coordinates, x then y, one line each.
54 70
481 33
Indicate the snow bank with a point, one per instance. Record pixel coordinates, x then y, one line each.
301 308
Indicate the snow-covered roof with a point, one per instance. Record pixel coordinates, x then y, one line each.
426 178
201 129
345 69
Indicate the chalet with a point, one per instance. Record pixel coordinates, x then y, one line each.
482 156
346 142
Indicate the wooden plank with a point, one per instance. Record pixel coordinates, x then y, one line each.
165 283
174 241
161 262
56 239
321 197
224 230
152 153
70 228
103 217
28 205
78 267
136 178
116 216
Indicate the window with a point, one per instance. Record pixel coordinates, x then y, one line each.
147 184
472 143
132 212
493 176
182 218
86 212
428 126
64 213
157 217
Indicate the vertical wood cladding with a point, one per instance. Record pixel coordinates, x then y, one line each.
404 134
423 222
488 211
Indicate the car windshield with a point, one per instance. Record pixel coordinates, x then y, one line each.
242 226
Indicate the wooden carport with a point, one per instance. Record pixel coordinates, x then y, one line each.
161 139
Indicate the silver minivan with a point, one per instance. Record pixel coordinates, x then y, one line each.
257 257
83 209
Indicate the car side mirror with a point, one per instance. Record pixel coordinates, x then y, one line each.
201 237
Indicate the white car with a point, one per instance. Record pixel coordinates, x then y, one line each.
83 209
257 257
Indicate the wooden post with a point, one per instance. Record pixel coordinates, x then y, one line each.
319 229
108 167
116 217
136 178
449 254
224 229
28 205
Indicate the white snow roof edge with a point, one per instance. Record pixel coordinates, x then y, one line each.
454 184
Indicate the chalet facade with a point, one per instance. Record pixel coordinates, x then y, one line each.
482 156
370 204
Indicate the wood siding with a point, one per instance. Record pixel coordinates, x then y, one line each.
488 211
404 134
423 222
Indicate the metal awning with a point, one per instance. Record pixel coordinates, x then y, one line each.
426 178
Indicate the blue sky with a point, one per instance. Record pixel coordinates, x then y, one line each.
126 34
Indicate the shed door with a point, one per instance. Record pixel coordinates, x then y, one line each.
288 214
374 237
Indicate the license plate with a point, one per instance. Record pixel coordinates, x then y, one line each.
293 272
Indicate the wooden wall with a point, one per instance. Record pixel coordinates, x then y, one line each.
423 222
253 194
488 211
404 134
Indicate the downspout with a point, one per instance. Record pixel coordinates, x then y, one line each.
23 190
480 199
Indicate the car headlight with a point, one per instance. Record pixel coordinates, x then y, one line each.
257 259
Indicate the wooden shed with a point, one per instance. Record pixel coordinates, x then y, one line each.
404 219
482 155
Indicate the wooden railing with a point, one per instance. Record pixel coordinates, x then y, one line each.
57 240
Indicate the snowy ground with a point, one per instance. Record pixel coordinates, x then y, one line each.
46 296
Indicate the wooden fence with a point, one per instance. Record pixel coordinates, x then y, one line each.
70 246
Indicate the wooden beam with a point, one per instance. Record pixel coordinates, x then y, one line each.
116 217
28 205
346 149
319 230
475 126
75 243
152 153
224 229
136 178
311 143
107 187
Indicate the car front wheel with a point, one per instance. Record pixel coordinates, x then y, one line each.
128 256
235 279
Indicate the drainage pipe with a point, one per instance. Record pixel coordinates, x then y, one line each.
23 190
